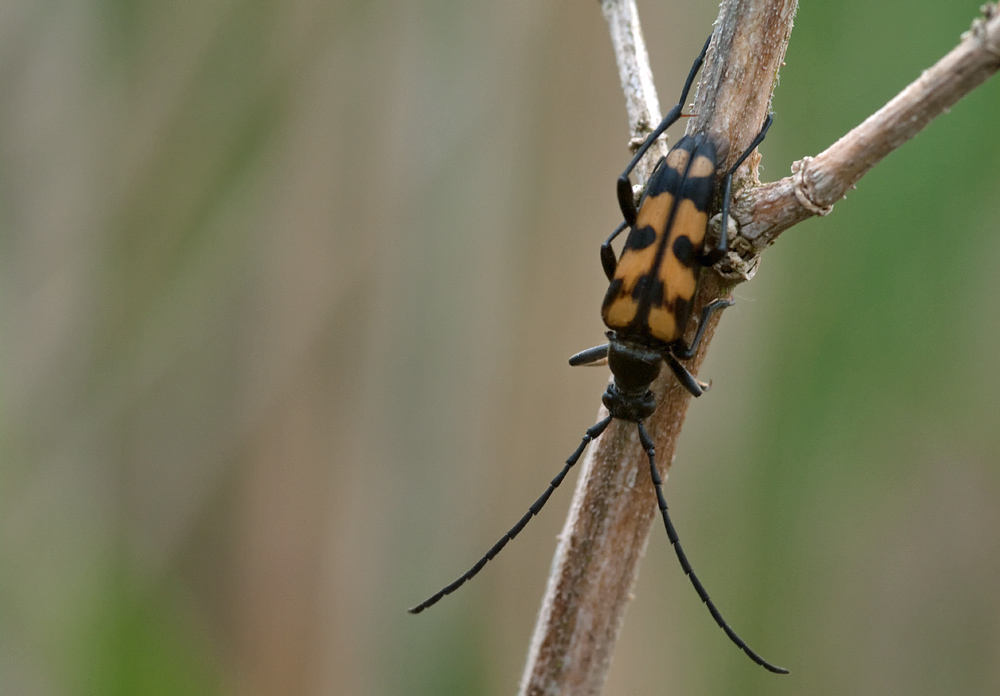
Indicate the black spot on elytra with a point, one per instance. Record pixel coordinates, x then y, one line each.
664 179
640 238
699 190
684 250
641 286
656 293
648 290
682 310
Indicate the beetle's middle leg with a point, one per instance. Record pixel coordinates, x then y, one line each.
684 352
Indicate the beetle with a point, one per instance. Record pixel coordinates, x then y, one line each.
647 309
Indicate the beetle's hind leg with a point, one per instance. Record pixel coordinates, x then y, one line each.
625 198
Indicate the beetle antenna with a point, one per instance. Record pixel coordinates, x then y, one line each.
592 434
647 444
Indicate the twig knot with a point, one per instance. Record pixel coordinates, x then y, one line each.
742 260
803 188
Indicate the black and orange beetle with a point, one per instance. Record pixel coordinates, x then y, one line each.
647 309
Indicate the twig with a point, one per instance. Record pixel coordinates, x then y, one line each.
613 508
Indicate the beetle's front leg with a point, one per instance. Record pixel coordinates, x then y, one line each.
598 355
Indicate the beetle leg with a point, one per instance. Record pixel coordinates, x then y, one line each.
591 356
687 380
687 352
710 258
608 259
627 202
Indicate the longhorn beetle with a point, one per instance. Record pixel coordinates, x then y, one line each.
648 307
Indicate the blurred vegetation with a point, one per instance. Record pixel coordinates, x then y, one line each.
287 292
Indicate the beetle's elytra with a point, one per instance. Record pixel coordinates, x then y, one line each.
656 277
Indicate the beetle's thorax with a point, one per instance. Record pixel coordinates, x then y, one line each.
634 367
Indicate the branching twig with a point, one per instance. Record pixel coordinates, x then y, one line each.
613 507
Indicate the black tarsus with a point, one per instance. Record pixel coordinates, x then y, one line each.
647 445
592 434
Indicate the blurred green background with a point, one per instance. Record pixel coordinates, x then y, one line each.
288 290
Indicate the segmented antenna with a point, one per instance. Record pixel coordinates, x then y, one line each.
592 434
647 444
